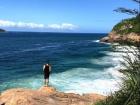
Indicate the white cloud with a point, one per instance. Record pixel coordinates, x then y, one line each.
5 23
63 26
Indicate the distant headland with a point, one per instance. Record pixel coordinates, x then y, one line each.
2 30
127 30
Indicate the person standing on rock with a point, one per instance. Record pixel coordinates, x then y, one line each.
47 70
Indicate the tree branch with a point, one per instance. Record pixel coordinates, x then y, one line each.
127 11
137 1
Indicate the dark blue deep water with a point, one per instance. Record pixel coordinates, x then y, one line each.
80 63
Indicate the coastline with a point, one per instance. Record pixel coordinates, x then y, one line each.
89 70
113 71
46 94
113 37
96 85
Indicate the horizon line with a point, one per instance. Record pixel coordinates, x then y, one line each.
61 32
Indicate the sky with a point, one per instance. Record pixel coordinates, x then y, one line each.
91 16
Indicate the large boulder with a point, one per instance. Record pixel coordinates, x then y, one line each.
112 37
104 39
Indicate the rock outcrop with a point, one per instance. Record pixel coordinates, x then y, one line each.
114 37
46 96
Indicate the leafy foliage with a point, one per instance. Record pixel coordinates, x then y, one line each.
128 25
129 94
137 1
129 11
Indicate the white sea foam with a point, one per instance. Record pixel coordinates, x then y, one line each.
85 80
79 84
77 80
96 41
114 72
100 86
106 43
40 48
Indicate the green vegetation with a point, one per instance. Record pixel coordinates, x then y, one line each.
1 30
129 93
127 26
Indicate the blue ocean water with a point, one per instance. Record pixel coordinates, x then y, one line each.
80 63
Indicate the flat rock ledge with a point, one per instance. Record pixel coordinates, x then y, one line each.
46 96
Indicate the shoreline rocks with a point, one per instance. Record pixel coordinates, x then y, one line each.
114 37
46 96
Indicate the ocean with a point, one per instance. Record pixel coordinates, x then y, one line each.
80 63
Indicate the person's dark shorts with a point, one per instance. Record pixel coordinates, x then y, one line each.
46 75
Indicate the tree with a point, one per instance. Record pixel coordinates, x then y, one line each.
130 11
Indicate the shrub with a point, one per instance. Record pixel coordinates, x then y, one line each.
129 93
127 26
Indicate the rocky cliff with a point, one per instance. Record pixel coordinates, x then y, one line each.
46 96
128 30
115 37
